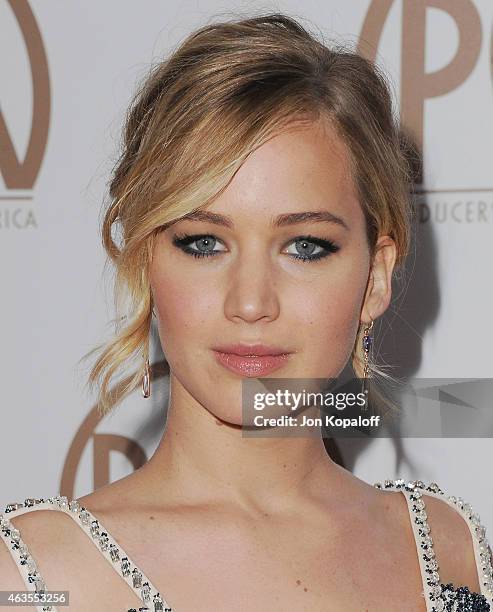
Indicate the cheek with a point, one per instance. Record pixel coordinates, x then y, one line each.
182 307
330 314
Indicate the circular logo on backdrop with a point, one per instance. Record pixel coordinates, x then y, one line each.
103 444
20 171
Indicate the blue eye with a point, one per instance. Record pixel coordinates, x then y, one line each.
205 244
307 246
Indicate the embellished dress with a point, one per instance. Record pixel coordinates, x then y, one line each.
438 597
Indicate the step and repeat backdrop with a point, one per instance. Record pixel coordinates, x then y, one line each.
68 72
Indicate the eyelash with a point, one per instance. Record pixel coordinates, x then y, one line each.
182 241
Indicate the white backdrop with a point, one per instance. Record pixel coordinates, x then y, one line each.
56 303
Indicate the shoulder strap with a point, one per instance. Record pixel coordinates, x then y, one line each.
105 544
424 546
413 492
21 555
482 551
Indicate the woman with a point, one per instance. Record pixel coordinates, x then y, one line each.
262 203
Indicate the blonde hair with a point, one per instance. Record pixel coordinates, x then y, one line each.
221 94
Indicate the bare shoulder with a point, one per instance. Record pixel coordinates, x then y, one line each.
116 494
50 536
453 542
462 553
44 530
64 557
35 530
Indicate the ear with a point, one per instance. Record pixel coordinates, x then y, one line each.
379 287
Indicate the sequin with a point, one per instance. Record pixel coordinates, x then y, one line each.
12 535
439 597
117 557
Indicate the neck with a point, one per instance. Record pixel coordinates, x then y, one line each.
204 461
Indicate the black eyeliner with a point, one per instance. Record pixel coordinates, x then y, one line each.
182 241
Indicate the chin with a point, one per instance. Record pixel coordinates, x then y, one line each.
228 419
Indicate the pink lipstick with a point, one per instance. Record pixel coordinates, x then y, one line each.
251 360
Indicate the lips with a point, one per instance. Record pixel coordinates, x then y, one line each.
251 350
251 360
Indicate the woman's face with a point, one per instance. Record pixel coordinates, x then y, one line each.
298 285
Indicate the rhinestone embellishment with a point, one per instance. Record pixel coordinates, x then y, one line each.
445 597
103 540
20 548
136 578
125 567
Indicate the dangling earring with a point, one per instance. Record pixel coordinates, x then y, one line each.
146 380
367 346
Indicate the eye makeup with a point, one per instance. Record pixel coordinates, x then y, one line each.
184 242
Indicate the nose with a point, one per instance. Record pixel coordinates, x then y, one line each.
252 290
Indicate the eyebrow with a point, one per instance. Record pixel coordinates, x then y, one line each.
318 216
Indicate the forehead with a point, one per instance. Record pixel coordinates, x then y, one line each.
304 168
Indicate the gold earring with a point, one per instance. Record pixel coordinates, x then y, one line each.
146 380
